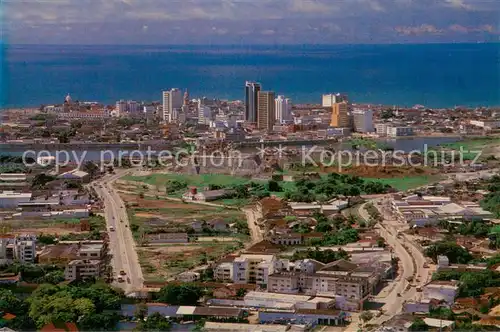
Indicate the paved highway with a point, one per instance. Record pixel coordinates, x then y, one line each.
121 241
412 261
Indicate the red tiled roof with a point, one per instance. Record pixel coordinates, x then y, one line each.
9 316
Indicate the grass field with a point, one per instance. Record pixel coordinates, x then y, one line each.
200 181
407 183
483 145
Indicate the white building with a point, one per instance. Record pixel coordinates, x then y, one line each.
488 125
204 113
445 291
25 248
11 199
329 100
247 268
81 269
363 120
381 129
283 108
172 100
121 107
399 131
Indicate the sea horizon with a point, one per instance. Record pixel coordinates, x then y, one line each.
437 75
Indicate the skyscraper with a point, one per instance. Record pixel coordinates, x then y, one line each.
251 100
265 110
333 98
363 120
340 116
172 101
283 108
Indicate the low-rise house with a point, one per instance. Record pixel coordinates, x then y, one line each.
236 327
286 238
188 276
304 316
75 176
11 199
445 291
168 238
207 196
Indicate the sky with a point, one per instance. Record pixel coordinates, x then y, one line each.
248 21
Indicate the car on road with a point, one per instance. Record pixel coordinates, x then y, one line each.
399 294
111 228
122 272
120 279
128 280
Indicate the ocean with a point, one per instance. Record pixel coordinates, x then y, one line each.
434 75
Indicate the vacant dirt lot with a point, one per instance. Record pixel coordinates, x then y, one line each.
164 262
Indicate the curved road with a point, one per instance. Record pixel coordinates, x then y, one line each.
121 242
412 261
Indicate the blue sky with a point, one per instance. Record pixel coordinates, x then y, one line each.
248 21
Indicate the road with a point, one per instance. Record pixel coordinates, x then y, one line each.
121 242
255 231
412 261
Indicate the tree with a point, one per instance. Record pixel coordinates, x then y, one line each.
90 168
141 311
184 294
365 316
381 242
241 292
46 239
419 325
155 322
273 185
454 252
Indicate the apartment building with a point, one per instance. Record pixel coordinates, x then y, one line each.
7 252
83 268
247 268
339 279
92 250
25 248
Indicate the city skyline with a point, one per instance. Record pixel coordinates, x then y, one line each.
247 22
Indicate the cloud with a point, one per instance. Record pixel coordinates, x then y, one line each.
418 30
458 4
291 21
267 32
310 6
463 29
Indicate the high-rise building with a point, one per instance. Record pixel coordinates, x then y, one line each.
363 121
132 106
283 108
251 101
265 110
172 100
340 115
121 107
332 98
204 114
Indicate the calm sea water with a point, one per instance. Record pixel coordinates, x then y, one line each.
435 75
